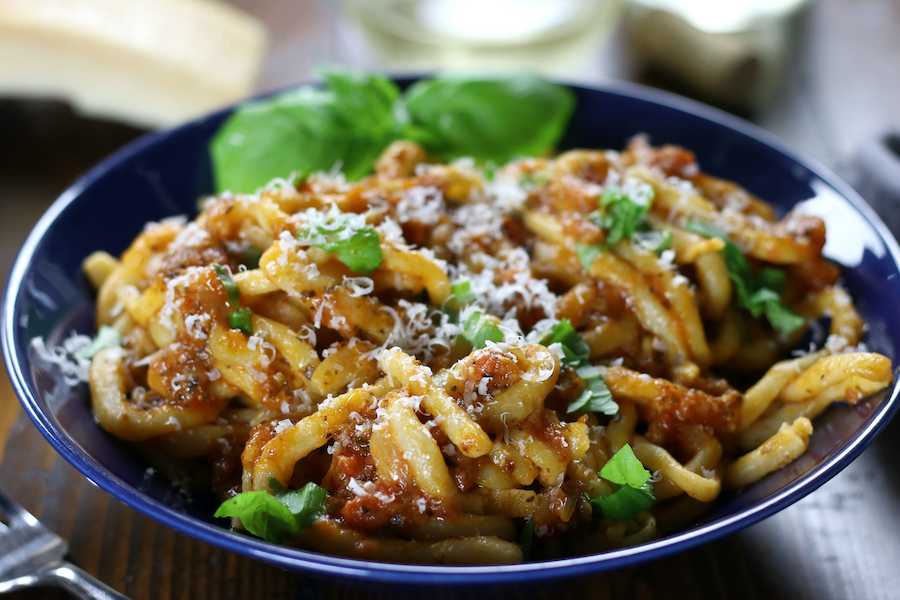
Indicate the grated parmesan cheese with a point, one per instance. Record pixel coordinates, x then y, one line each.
74 371
666 259
318 225
413 402
192 236
359 286
422 204
391 232
194 325
282 425
307 334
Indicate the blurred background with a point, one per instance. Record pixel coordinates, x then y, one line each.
81 78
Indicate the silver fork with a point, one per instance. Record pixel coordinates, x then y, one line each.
31 555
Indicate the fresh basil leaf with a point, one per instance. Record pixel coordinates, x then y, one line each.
262 515
575 348
773 279
306 130
275 487
759 292
625 503
479 329
736 263
596 396
231 288
368 99
106 336
624 468
306 504
622 218
526 539
782 318
462 292
494 118
241 319
276 517
587 253
349 123
620 215
706 230
357 245
759 299
361 253
636 492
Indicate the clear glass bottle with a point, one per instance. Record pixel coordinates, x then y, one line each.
545 35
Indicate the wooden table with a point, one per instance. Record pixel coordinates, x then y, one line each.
842 541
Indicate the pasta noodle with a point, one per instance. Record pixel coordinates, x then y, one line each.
401 342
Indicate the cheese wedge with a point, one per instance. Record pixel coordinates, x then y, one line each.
150 63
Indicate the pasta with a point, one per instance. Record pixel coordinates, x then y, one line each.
462 357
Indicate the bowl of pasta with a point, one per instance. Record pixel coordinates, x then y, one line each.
457 330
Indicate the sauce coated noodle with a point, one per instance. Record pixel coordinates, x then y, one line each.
433 450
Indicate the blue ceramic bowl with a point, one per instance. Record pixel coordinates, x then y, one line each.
163 174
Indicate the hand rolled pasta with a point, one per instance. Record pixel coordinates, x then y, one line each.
451 365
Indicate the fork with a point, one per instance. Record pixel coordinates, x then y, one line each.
31 555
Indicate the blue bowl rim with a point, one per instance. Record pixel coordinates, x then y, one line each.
325 565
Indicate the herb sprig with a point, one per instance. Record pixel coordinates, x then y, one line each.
760 291
356 244
623 216
239 318
361 252
462 292
635 494
348 123
277 517
595 396
479 328
619 214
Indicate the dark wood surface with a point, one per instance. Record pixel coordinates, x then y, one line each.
842 541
